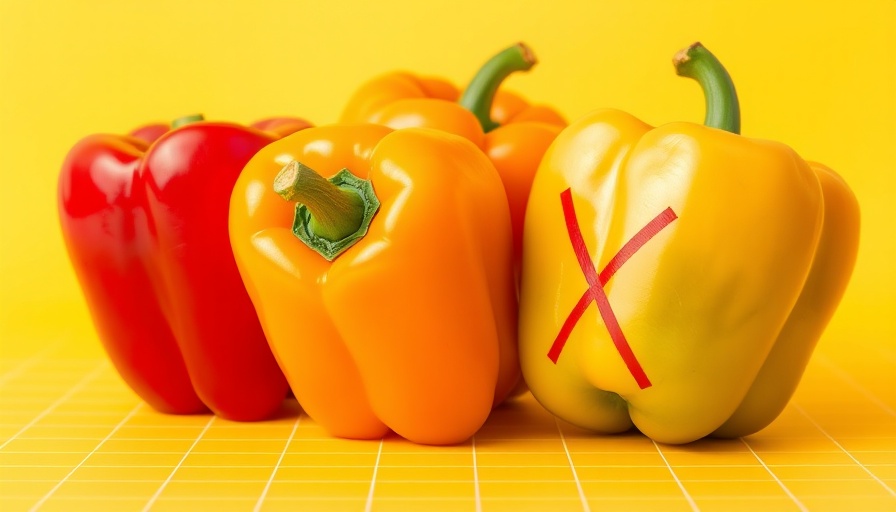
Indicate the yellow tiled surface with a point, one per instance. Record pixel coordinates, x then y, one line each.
73 437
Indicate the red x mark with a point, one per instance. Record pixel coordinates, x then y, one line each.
595 291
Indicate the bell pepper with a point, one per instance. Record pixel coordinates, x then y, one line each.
386 291
714 262
513 133
146 231
279 126
150 132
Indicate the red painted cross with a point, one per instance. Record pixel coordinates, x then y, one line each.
595 291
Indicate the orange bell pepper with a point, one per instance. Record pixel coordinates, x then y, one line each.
400 315
513 133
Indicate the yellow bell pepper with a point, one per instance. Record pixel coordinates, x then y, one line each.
387 298
714 263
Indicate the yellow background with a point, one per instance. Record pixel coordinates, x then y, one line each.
820 76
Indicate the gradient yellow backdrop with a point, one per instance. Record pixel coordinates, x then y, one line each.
820 76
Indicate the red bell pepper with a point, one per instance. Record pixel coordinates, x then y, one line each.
146 230
150 132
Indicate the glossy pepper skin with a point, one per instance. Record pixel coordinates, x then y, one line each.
717 261
150 132
146 231
411 329
513 133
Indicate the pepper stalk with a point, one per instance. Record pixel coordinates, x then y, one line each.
184 120
479 95
331 214
722 107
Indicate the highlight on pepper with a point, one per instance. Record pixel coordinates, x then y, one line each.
706 318
506 127
399 317
178 326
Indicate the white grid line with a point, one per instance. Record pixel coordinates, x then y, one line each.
430 466
411 481
618 500
160 428
340 452
376 466
435 499
845 377
848 454
161 488
778 480
572 468
267 486
684 491
476 477
97 447
154 452
21 434
29 362
61 400
73 414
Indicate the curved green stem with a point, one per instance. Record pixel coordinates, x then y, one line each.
480 94
722 107
192 118
331 215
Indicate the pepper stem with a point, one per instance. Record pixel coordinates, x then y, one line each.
480 94
192 118
722 107
331 215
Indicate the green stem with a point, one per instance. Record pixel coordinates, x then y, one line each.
192 118
722 107
480 94
331 215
